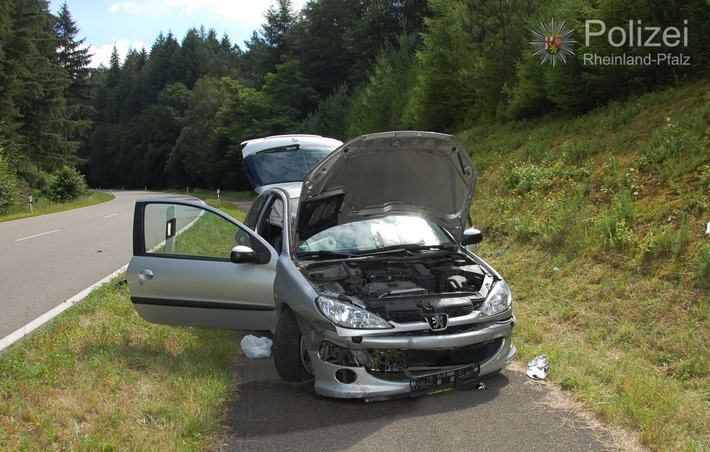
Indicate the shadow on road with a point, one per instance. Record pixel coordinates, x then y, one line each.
513 413
271 413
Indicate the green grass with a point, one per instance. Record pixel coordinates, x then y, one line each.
43 206
209 236
605 216
226 202
100 378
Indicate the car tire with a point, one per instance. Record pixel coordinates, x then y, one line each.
290 357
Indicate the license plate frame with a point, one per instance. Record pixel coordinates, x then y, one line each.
445 380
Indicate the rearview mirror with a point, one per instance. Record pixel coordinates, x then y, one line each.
472 236
243 255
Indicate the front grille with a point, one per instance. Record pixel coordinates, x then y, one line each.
398 312
463 355
406 316
459 311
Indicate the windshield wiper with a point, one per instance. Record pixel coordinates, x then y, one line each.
411 248
280 149
322 253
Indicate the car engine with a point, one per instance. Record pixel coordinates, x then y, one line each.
405 289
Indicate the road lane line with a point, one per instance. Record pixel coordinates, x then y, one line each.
37 235
109 216
44 318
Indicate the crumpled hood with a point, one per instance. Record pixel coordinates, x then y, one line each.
406 172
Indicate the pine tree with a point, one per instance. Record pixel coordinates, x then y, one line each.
9 86
271 46
74 57
40 86
322 38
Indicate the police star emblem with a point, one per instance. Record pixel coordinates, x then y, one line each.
553 42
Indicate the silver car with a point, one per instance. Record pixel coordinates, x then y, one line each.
361 271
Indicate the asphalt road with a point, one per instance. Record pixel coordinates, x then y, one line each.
514 413
48 259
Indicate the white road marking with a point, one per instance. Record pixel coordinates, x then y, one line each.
44 318
109 216
37 235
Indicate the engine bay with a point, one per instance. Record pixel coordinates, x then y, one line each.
405 289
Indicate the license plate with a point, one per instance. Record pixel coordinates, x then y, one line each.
443 381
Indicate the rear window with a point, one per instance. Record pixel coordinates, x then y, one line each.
283 164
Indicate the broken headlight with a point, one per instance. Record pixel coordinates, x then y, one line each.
499 299
349 316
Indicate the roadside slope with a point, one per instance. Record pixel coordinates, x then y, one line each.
599 222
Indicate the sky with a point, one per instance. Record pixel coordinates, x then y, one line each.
136 24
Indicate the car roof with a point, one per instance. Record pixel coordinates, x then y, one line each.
259 144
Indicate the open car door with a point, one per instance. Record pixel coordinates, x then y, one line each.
193 265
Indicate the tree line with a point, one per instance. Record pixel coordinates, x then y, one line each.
175 116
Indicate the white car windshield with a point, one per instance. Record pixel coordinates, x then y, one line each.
376 234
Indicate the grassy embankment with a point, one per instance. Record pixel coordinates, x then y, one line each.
605 218
43 206
100 378
598 223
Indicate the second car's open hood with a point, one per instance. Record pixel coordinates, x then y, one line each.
412 173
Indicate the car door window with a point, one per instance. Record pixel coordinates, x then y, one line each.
254 211
187 231
266 218
270 225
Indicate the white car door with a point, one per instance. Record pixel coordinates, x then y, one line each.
193 265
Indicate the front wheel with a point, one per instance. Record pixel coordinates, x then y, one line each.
290 356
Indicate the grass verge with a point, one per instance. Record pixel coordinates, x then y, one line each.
100 378
598 223
44 206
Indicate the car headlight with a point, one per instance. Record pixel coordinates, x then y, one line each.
349 316
499 299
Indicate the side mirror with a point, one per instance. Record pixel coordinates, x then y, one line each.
472 236
243 255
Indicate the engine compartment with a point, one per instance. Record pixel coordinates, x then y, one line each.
405 289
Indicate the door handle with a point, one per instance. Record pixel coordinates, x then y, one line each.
146 274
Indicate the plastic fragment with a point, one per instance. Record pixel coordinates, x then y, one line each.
555 269
481 386
707 231
538 367
256 347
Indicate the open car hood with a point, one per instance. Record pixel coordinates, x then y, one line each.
425 174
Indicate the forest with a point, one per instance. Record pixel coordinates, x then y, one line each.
175 116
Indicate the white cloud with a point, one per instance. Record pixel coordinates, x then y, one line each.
102 55
124 6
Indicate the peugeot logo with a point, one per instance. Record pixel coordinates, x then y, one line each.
438 321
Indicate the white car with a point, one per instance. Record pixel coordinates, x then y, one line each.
361 271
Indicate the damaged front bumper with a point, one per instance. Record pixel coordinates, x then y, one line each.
489 349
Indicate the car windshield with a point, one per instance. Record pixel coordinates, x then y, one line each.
377 234
284 164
